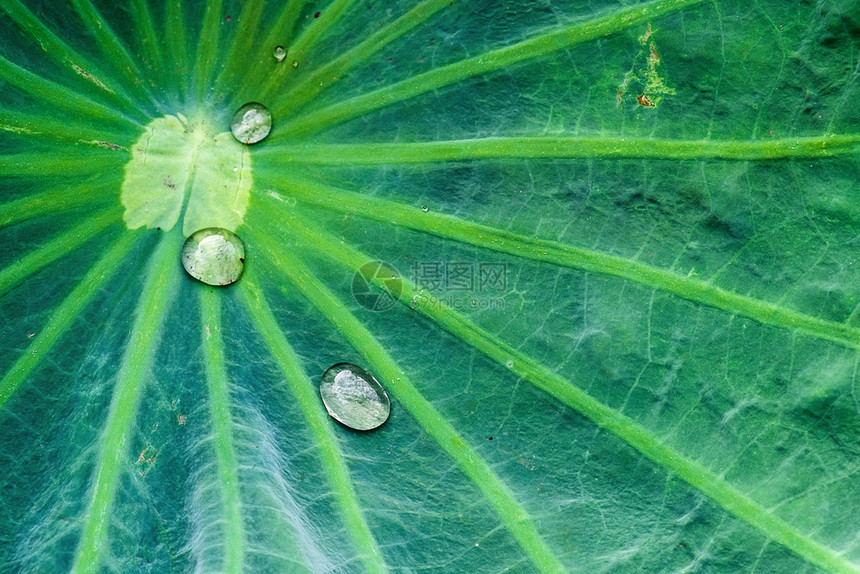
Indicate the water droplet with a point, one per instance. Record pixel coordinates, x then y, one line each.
251 123
295 63
353 397
509 364
424 208
214 256
280 53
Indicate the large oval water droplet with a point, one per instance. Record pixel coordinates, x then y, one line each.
280 53
354 397
214 256
251 123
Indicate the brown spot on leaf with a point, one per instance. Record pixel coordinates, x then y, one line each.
644 101
109 145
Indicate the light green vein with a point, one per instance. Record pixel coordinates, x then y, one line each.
57 247
177 48
283 28
488 62
65 314
329 16
299 48
112 48
207 48
451 227
219 403
279 35
57 200
318 421
628 430
79 161
322 78
513 516
40 127
243 43
147 36
60 52
564 148
50 93
161 283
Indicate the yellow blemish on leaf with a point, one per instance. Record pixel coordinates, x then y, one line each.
179 167
16 130
643 82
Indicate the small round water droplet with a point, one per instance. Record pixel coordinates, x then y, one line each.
251 123
353 397
214 256
280 53
295 63
424 208
509 364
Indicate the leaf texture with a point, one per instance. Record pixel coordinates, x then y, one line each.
600 256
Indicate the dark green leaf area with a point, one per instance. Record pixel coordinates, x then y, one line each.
52 427
577 466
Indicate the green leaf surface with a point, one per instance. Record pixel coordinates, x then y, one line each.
600 256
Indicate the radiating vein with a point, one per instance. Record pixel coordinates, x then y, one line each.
63 130
564 148
321 78
162 276
329 16
57 200
488 62
625 428
60 52
514 517
690 471
299 48
282 30
177 48
279 35
148 37
317 420
236 62
479 235
222 425
77 161
112 47
57 247
65 314
47 92
207 48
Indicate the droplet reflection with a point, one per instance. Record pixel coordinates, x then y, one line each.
354 397
251 123
214 256
280 53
